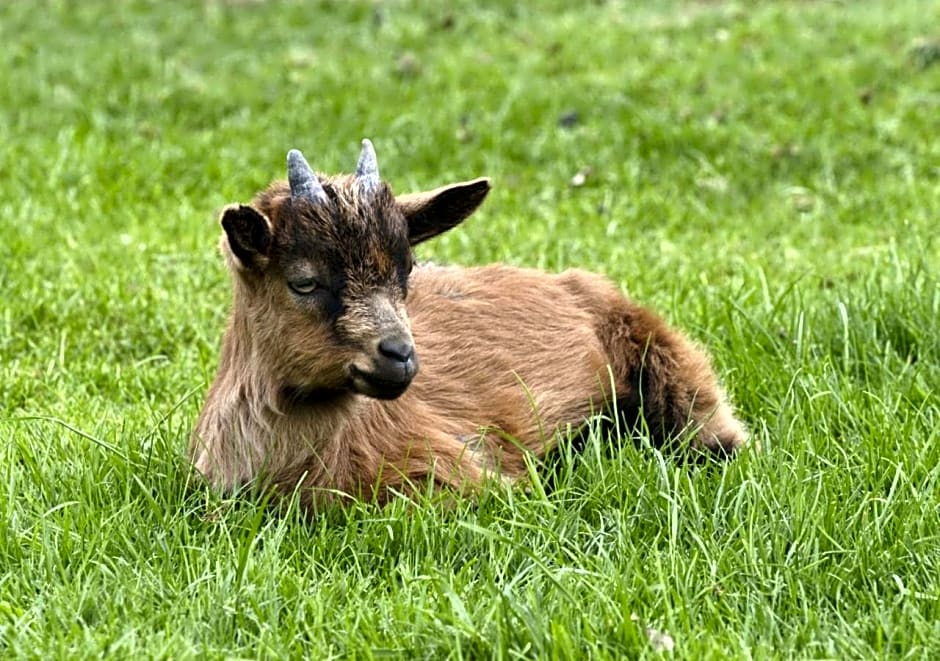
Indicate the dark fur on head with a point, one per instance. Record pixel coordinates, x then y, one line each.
335 269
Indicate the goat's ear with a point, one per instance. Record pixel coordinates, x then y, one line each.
249 235
436 211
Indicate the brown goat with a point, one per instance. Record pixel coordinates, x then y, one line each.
319 387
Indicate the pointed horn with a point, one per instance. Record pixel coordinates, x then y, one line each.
367 169
303 182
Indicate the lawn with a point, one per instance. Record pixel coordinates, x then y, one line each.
766 175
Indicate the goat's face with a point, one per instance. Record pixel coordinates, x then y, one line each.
322 268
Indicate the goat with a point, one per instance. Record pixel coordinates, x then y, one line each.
319 387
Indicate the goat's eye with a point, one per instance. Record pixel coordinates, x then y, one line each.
304 287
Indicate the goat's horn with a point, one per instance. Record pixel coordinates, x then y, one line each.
303 182
367 169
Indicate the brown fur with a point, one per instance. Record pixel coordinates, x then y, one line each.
508 357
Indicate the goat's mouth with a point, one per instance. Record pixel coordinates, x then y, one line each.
382 384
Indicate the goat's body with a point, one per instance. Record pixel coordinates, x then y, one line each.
509 357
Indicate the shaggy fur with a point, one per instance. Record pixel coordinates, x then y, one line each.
505 357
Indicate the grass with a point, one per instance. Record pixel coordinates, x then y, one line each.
767 175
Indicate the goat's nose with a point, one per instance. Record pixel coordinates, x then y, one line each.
399 349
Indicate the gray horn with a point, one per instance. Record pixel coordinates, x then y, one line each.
367 169
303 182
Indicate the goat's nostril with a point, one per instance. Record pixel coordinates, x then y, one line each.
397 348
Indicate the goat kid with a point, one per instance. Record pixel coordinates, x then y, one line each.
319 386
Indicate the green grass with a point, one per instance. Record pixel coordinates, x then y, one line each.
767 175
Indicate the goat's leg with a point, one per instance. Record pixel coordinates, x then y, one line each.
667 383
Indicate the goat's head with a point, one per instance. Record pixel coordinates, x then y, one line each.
321 268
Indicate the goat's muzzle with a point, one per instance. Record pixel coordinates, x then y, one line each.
393 367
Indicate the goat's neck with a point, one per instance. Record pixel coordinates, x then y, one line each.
272 399
269 427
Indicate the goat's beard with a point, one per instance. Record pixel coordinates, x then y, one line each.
305 396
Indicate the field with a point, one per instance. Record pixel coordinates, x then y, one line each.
766 175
